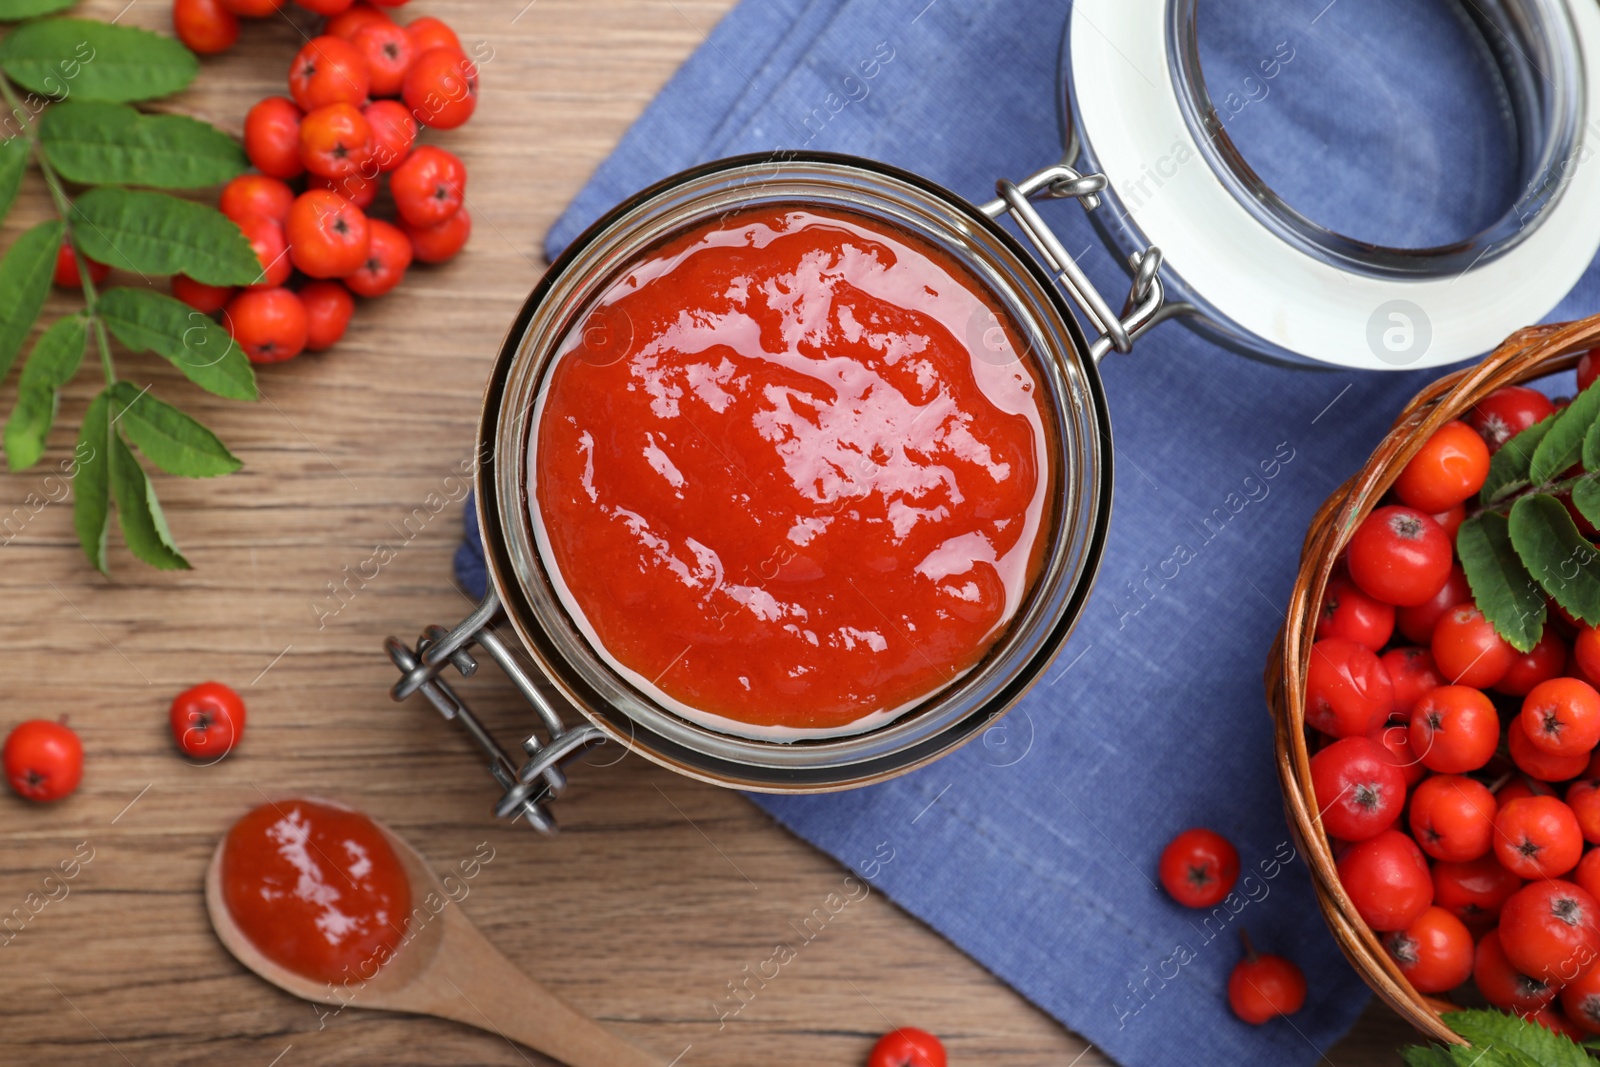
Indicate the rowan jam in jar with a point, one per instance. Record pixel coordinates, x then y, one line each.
792 471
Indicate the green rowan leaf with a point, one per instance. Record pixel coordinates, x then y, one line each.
148 321
157 233
170 439
91 482
1560 559
50 366
113 144
24 283
1502 587
90 60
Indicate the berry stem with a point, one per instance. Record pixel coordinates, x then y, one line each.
63 206
1249 947
1503 506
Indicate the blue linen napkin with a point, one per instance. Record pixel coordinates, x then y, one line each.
1034 848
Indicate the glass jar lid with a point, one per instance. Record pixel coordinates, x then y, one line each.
1264 278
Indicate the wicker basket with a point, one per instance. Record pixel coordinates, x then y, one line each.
1528 354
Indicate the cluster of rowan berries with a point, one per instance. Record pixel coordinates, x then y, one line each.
1456 776
361 91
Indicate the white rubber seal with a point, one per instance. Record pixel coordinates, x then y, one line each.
1130 117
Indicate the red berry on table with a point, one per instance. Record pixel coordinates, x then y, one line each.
206 299
1387 879
328 8
1474 891
1546 660
435 244
328 70
1587 873
206 26
1349 613
1588 370
329 306
266 240
428 32
1263 986
394 131
1417 621
207 720
1562 717
335 141
1557 1023
1454 729
353 19
1523 786
1358 791
388 256
1468 650
1583 797
1547 927
1434 953
43 760
328 236
1536 762
269 324
253 9
429 187
1399 555
1586 651
272 137
359 189
1506 412
1453 817
256 194
1450 467
1199 868
66 272
1450 521
1537 837
1412 674
1348 692
441 88
1502 984
1393 739
907 1047
1580 999
387 49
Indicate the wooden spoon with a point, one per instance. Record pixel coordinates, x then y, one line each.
447 969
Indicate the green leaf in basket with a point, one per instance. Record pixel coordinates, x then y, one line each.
154 322
89 60
14 153
1508 470
17 10
112 144
91 482
157 233
144 527
24 283
1562 446
170 439
53 362
1494 1032
1502 587
1426 1056
1586 496
1560 559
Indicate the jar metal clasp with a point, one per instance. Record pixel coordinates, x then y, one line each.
1145 306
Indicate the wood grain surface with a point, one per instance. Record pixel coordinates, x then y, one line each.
659 892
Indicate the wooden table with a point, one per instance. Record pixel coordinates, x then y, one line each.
659 892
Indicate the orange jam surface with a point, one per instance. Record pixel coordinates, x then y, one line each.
318 889
792 471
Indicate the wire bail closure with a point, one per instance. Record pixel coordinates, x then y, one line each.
529 788
1145 305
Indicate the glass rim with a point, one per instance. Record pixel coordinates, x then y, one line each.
1080 505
